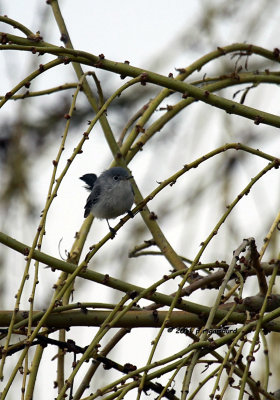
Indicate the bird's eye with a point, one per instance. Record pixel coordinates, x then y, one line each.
115 178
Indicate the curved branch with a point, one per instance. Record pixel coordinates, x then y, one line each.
188 90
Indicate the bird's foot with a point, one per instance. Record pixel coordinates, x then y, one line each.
113 232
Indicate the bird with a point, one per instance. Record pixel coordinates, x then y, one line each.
111 194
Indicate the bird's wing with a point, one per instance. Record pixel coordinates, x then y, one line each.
89 179
92 198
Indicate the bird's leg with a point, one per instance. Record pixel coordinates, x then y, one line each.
112 230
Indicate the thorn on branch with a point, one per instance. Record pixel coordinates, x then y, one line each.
276 52
66 60
258 120
221 50
153 216
144 79
35 38
180 70
64 38
26 251
3 38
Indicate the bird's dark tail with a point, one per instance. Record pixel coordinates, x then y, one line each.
89 179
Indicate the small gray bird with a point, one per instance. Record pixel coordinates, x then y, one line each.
111 194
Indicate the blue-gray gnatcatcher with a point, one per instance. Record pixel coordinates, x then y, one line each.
111 194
